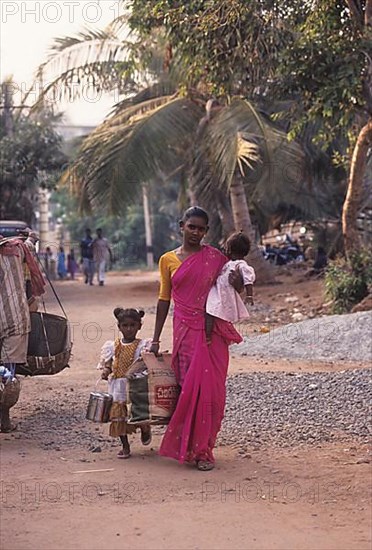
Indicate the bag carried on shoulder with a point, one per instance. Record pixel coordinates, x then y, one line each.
152 390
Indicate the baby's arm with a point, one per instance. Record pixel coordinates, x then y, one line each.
249 277
209 322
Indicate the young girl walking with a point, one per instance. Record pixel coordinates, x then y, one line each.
127 348
223 301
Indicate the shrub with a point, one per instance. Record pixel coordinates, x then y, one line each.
347 281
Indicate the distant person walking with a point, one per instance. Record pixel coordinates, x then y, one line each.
72 266
86 250
101 253
50 263
61 263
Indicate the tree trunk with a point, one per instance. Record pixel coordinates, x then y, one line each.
368 14
8 108
355 189
192 197
242 221
225 213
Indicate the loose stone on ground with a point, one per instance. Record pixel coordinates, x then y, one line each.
287 409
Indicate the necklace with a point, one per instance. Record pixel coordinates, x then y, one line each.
129 343
183 254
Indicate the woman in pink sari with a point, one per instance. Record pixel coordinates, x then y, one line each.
187 275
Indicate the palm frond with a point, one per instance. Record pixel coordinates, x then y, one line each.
94 58
247 152
158 90
274 173
128 150
69 53
63 43
119 26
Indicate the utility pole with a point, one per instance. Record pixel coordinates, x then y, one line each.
43 202
146 211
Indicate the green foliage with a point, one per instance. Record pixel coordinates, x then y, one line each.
313 53
223 43
317 53
347 282
34 146
126 232
31 148
324 69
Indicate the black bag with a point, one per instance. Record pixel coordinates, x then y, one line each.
138 390
49 345
51 342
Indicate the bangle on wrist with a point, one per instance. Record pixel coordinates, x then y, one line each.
155 342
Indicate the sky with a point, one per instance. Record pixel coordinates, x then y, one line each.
27 30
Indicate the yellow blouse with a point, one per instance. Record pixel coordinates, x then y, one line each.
168 265
124 357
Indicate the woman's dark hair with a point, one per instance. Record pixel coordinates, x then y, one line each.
238 243
197 212
135 314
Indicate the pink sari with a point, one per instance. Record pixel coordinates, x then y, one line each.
200 369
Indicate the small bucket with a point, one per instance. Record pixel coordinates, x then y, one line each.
99 406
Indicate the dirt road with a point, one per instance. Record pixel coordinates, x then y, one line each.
296 498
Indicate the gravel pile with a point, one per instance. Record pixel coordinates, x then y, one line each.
58 423
328 338
285 409
263 409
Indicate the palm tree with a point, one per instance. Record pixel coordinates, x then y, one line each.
237 144
160 131
145 138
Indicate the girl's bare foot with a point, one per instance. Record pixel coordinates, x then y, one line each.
125 452
146 435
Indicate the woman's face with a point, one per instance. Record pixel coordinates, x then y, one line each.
193 230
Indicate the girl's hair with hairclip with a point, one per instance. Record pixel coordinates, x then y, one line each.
135 314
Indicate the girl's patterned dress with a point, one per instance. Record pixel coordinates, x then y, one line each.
124 355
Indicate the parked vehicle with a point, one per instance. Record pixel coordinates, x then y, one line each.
12 228
285 254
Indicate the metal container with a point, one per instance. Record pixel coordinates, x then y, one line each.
99 407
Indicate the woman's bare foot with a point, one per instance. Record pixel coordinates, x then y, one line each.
204 465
